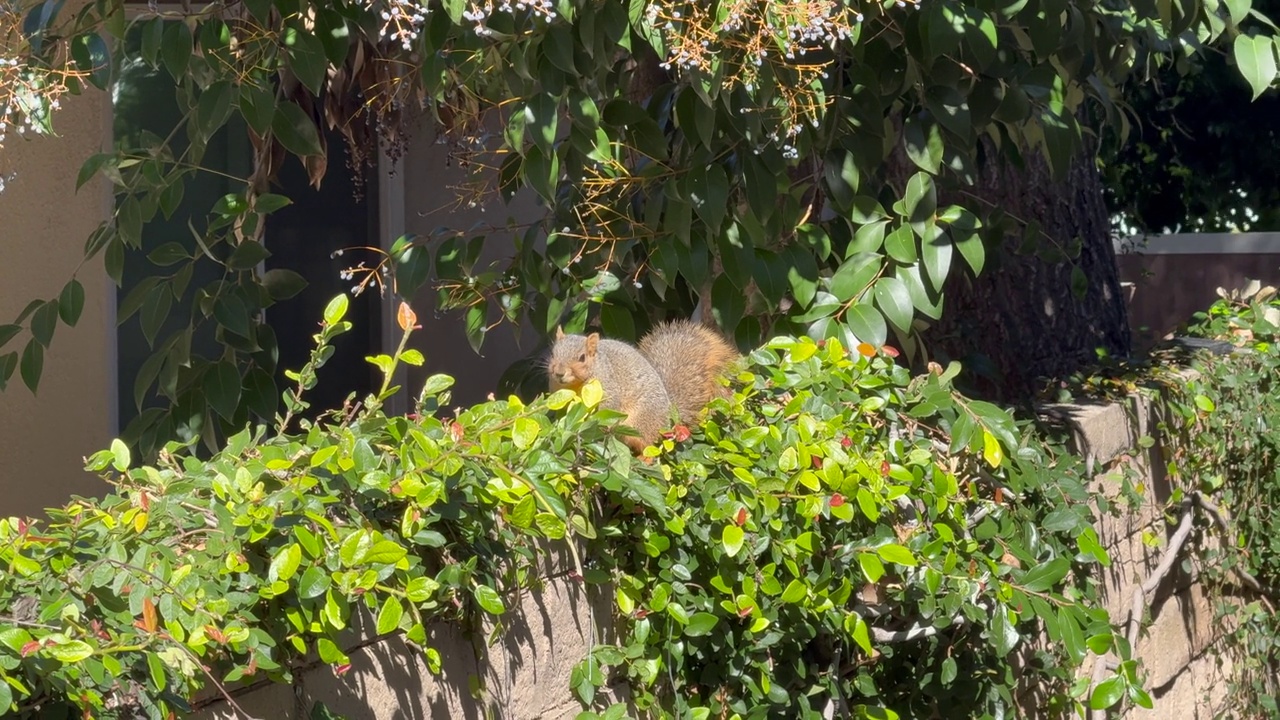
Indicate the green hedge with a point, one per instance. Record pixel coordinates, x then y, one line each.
836 532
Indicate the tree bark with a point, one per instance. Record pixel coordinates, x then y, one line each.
1019 322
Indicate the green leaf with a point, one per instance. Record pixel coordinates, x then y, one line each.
8 332
542 172
1205 404
91 167
32 364
964 233
155 310
896 554
222 388
1255 57
935 251
489 599
390 615
731 538
524 432
258 105
867 324
247 255
854 274
700 624
155 666
1107 693
8 363
901 244
413 265
152 36
920 202
329 652
296 131
282 284
795 592
1046 575
872 568
175 49
709 191
285 563
1003 635
315 581
336 310
120 455
1079 282
72 651
923 140
557 45
385 552
307 58
44 321
213 108
892 296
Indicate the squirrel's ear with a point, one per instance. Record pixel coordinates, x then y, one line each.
559 332
593 340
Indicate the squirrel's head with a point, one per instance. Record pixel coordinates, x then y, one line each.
573 358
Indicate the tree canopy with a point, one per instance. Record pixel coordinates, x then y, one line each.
1202 149
737 156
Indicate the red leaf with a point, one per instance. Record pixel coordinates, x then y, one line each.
741 517
149 621
884 468
29 648
837 500
681 433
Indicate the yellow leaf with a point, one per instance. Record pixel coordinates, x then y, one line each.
991 451
140 522
592 393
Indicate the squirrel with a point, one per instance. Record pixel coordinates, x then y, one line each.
674 371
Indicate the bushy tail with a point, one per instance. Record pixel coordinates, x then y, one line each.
690 358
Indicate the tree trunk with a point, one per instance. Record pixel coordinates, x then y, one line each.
1020 323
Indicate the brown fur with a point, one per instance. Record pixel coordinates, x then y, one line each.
690 358
630 383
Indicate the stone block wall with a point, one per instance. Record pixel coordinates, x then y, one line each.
525 675
1186 678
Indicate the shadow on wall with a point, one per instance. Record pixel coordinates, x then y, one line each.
1170 288
433 200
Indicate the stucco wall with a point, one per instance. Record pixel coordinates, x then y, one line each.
43 226
432 200
1170 288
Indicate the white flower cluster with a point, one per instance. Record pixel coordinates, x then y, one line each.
24 98
748 36
402 21
479 13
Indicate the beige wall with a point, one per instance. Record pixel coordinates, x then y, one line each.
43 227
1170 288
431 202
